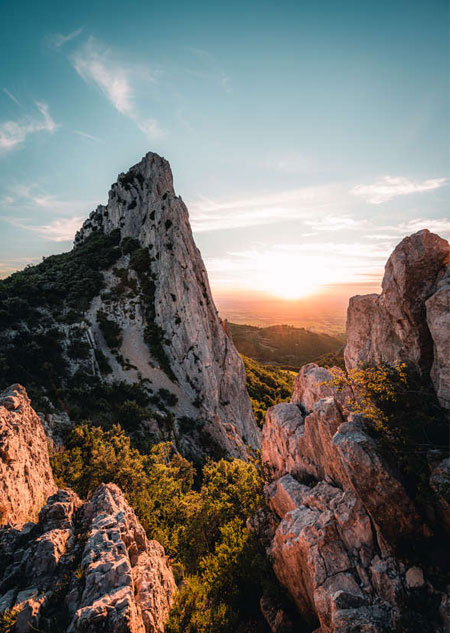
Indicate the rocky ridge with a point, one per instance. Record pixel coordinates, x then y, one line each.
410 320
144 317
85 566
343 514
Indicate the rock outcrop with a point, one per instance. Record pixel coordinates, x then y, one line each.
145 317
410 320
85 567
344 515
26 479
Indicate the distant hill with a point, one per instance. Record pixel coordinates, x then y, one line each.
284 345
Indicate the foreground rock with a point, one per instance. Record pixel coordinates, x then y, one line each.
85 567
26 479
410 320
344 515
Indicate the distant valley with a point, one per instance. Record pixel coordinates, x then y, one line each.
286 346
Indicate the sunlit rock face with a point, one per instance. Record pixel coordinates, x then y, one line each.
410 320
203 368
26 478
85 567
344 515
127 317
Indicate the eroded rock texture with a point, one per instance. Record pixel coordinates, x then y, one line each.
26 478
142 317
206 367
410 320
85 567
343 516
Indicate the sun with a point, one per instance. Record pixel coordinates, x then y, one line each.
292 276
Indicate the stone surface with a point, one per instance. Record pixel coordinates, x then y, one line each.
438 320
409 320
26 478
343 516
210 375
85 567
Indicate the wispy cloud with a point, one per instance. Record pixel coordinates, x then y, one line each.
88 136
59 230
11 96
33 198
304 203
207 68
14 133
95 64
59 39
390 187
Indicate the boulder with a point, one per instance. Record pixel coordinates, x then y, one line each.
26 479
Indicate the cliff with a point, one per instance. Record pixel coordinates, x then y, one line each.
128 316
344 519
410 320
26 478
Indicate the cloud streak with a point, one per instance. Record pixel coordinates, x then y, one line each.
59 230
95 65
390 187
59 39
305 203
14 133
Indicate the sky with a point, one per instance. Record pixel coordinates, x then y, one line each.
306 138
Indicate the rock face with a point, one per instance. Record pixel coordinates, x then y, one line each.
343 514
26 478
152 324
85 567
410 320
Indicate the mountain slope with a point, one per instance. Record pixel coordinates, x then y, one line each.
126 319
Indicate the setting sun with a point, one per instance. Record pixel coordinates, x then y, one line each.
293 276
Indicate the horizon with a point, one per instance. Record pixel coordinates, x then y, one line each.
293 202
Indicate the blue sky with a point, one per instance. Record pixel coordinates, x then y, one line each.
306 138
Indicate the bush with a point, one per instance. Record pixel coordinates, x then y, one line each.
199 517
401 410
266 387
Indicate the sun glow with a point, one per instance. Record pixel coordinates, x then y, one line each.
292 276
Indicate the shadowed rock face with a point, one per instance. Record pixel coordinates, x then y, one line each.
26 478
410 320
85 567
205 367
342 512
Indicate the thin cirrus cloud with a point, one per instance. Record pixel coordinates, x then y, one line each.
390 187
14 133
95 65
59 230
33 199
59 39
305 203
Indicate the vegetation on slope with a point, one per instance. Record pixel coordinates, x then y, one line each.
283 345
266 386
199 517
402 413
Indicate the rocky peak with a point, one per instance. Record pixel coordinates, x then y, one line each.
26 478
409 320
144 317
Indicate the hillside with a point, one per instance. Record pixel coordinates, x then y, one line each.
284 345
